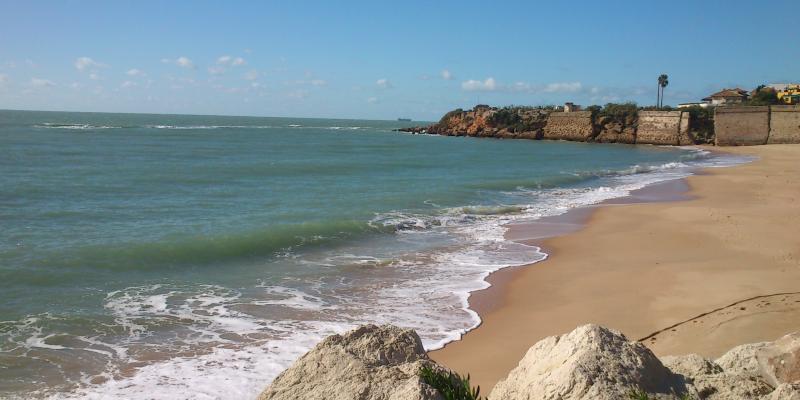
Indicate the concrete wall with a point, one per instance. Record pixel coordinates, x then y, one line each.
741 126
663 128
784 124
576 126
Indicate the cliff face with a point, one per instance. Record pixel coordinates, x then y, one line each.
643 127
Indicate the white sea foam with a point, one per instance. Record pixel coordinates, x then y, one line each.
235 353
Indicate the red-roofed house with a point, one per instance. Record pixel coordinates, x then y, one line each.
727 96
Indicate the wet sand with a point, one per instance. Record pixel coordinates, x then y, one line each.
693 274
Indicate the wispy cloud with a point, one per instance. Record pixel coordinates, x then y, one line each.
298 94
383 83
446 75
216 70
472 85
128 84
182 61
490 85
84 63
251 75
229 61
373 100
563 87
185 62
135 72
41 83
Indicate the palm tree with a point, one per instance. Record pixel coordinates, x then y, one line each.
663 81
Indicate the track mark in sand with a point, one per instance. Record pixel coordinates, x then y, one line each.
734 307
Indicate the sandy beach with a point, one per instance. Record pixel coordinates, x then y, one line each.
719 268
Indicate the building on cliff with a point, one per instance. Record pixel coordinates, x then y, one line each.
727 97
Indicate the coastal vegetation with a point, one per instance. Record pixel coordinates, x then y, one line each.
450 385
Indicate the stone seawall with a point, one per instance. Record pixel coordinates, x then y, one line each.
748 126
741 126
575 126
784 124
663 128
733 126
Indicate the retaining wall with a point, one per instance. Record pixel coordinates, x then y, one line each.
575 126
741 126
663 128
784 124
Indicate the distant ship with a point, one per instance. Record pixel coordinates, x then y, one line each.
404 119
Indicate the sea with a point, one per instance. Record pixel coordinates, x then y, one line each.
148 256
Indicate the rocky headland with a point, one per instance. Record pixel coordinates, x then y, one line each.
591 362
614 123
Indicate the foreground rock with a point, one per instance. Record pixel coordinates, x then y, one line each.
368 363
590 362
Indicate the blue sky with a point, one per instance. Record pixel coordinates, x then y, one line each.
383 60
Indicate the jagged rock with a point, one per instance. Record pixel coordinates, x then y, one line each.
368 363
777 362
780 361
706 380
786 391
742 359
590 362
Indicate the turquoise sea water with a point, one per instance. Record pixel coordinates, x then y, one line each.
166 256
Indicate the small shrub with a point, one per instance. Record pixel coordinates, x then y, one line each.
620 112
450 385
702 123
450 114
763 96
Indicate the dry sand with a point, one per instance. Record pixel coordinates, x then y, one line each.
692 276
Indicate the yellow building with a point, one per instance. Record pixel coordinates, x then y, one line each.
789 94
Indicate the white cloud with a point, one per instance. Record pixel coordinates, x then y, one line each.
231 61
298 94
318 82
373 100
563 87
127 84
95 77
135 72
75 85
251 75
383 83
446 75
38 82
184 62
181 61
472 85
216 70
83 63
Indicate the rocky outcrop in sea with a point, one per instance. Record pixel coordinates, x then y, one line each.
591 362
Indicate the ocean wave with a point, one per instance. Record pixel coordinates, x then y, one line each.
49 125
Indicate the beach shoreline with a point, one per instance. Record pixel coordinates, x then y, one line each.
672 271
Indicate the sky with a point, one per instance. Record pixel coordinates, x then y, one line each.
380 59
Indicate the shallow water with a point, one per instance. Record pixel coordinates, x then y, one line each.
165 256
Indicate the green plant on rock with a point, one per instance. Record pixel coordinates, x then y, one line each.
450 385
443 121
639 394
